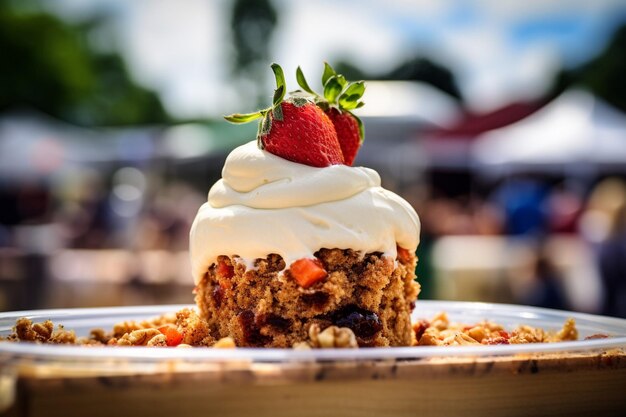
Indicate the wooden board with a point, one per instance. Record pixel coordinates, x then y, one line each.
572 384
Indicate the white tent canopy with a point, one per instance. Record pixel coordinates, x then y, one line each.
576 129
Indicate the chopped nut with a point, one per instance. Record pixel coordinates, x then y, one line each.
62 336
225 343
29 332
184 346
120 329
477 333
43 330
527 334
332 337
301 346
128 326
138 337
158 340
459 339
440 321
99 335
491 326
568 332
498 340
430 338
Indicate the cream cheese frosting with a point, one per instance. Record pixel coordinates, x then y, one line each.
266 204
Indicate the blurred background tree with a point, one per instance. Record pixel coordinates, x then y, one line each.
50 65
252 23
603 75
418 68
423 69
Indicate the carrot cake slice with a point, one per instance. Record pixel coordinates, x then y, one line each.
296 246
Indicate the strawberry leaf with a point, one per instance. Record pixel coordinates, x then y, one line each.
354 89
266 125
299 101
348 103
342 80
279 93
243 117
259 135
332 88
328 72
302 81
322 103
277 113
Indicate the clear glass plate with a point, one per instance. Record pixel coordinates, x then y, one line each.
83 320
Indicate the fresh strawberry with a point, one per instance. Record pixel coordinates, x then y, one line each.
304 135
339 98
295 129
348 133
307 272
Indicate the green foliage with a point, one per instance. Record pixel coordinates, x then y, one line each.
603 75
252 22
423 69
351 71
417 68
48 64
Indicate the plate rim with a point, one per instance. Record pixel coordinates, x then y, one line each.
149 354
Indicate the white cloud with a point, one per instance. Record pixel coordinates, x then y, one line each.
312 32
178 47
490 72
518 76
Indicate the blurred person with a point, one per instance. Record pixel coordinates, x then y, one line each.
82 210
603 204
612 265
546 288
487 218
522 201
564 208
603 225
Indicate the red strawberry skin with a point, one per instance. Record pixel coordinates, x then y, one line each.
347 129
304 135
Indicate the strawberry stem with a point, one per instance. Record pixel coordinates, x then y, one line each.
243 117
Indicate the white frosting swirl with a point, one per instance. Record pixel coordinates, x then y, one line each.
266 204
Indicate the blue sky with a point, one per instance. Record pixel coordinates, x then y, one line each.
500 50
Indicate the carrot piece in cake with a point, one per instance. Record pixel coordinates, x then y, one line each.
404 255
173 337
307 272
225 270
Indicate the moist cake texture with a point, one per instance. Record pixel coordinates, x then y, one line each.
372 295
